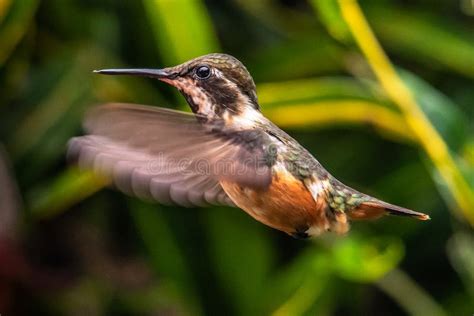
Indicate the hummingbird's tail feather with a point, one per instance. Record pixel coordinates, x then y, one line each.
373 209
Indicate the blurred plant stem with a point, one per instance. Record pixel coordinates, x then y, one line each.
330 112
310 289
183 29
166 255
449 45
10 198
72 186
18 16
423 130
4 5
304 297
352 258
399 286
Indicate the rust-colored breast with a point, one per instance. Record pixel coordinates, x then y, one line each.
286 204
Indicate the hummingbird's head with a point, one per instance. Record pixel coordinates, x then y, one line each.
214 85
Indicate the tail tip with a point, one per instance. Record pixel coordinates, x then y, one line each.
424 217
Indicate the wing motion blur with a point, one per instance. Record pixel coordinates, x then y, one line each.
167 155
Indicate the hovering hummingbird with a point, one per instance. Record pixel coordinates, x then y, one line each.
224 153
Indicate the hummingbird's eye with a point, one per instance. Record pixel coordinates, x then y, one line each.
203 72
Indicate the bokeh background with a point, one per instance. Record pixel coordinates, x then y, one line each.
69 246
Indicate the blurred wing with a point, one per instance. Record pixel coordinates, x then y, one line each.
167 155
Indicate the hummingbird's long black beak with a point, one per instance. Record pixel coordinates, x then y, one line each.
144 72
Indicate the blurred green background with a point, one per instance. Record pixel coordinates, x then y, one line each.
68 246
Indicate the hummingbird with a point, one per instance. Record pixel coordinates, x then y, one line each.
226 152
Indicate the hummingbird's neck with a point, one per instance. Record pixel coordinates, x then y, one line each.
224 100
248 117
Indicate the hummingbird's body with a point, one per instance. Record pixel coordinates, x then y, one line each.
227 153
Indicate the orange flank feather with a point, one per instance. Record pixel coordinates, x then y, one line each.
286 204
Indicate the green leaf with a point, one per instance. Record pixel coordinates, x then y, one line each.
330 113
297 287
425 38
4 7
65 98
242 255
67 189
165 254
450 122
409 295
278 18
461 253
15 25
313 89
296 58
182 29
366 259
330 15
443 113
330 101
307 294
